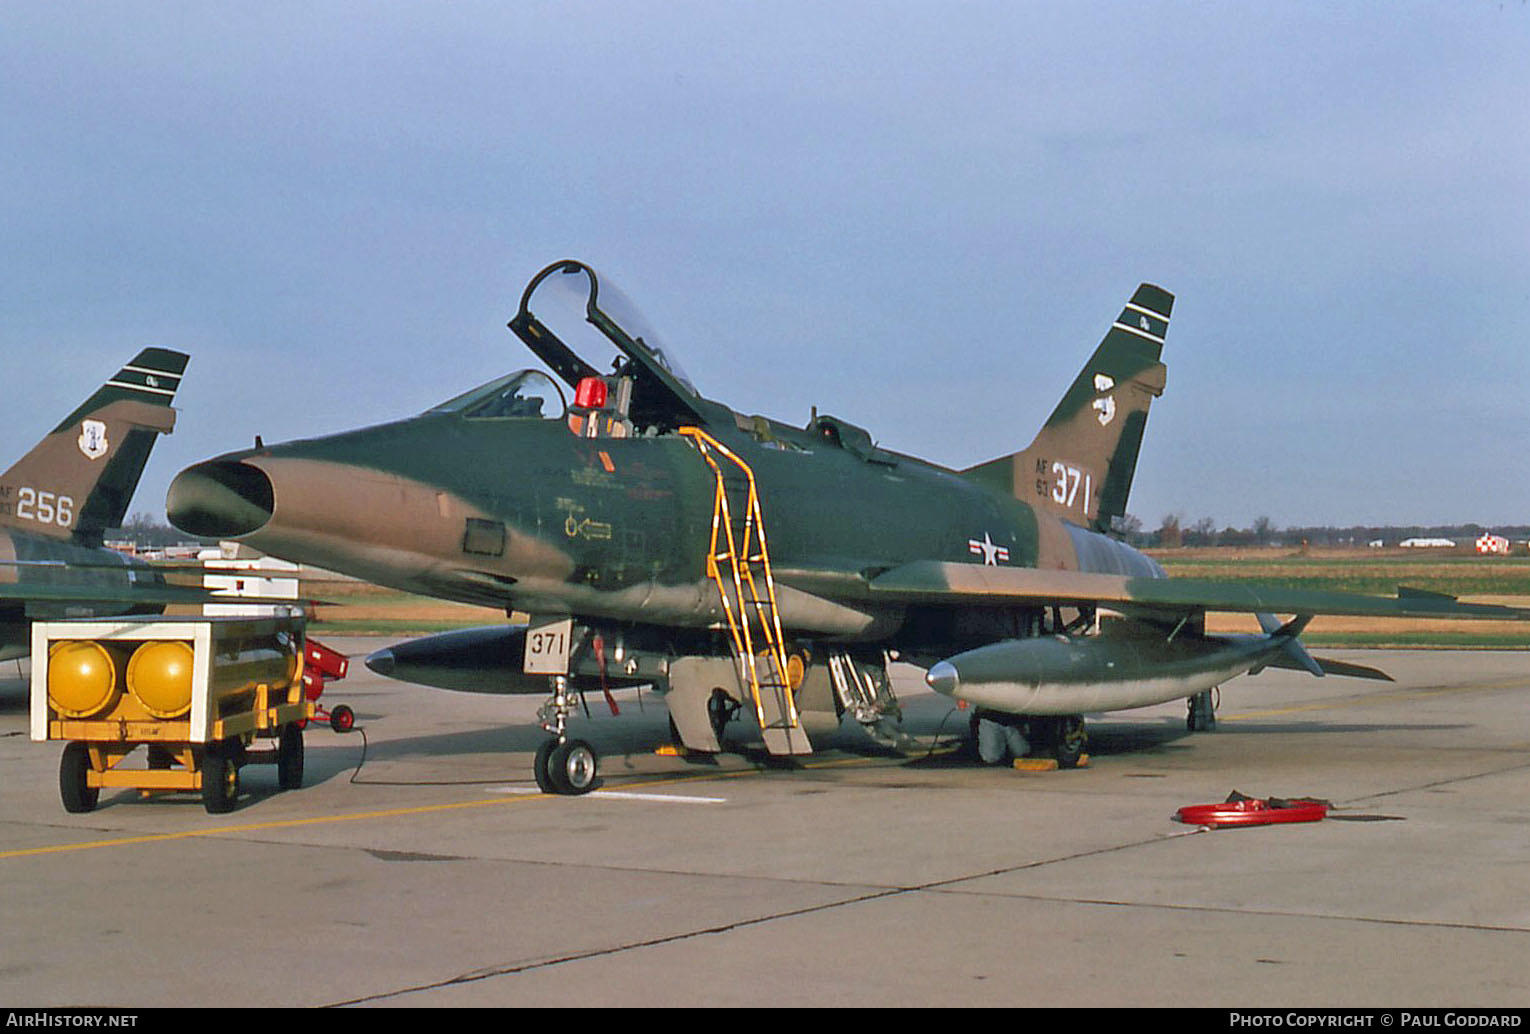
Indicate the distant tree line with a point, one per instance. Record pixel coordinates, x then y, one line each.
148 532
1173 533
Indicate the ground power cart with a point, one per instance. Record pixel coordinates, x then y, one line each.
196 693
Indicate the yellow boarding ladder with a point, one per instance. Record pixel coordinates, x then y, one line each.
740 565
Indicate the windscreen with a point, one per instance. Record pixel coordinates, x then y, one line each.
524 395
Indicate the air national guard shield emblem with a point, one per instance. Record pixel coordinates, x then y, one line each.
92 440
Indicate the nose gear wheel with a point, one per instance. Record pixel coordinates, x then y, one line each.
569 767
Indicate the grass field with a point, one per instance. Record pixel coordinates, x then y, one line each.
1373 571
353 608
1380 572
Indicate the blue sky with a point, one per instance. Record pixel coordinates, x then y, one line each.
917 216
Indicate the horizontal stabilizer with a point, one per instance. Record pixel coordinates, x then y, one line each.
1329 666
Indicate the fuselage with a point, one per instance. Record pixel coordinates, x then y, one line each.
525 514
46 563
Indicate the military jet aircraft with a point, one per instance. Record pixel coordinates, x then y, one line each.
657 537
59 498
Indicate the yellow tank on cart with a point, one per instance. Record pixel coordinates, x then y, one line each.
196 692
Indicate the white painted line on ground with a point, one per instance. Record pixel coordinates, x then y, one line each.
667 798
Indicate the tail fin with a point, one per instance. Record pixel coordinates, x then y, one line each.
1081 463
79 480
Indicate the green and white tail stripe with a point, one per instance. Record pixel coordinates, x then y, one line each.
159 379
1143 321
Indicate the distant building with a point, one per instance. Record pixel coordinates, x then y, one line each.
248 574
1493 545
1426 543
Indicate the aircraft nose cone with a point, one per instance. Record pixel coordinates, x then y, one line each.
220 499
942 678
381 661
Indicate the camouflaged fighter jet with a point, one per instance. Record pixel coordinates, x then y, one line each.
657 537
77 482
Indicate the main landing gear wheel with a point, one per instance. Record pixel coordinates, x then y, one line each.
1067 740
570 768
721 709
1202 713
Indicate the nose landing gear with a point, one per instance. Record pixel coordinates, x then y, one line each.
564 766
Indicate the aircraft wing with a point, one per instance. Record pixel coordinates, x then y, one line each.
955 584
115 565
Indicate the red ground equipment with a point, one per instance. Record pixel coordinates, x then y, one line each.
322 665
1239 810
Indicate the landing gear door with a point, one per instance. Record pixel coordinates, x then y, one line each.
548 643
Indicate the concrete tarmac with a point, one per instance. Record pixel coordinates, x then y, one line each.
419 866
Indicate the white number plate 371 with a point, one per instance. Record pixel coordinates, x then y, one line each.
547 645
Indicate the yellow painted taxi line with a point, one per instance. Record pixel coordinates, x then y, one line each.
257 827
425 809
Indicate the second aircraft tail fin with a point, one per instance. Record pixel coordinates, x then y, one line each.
79 480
